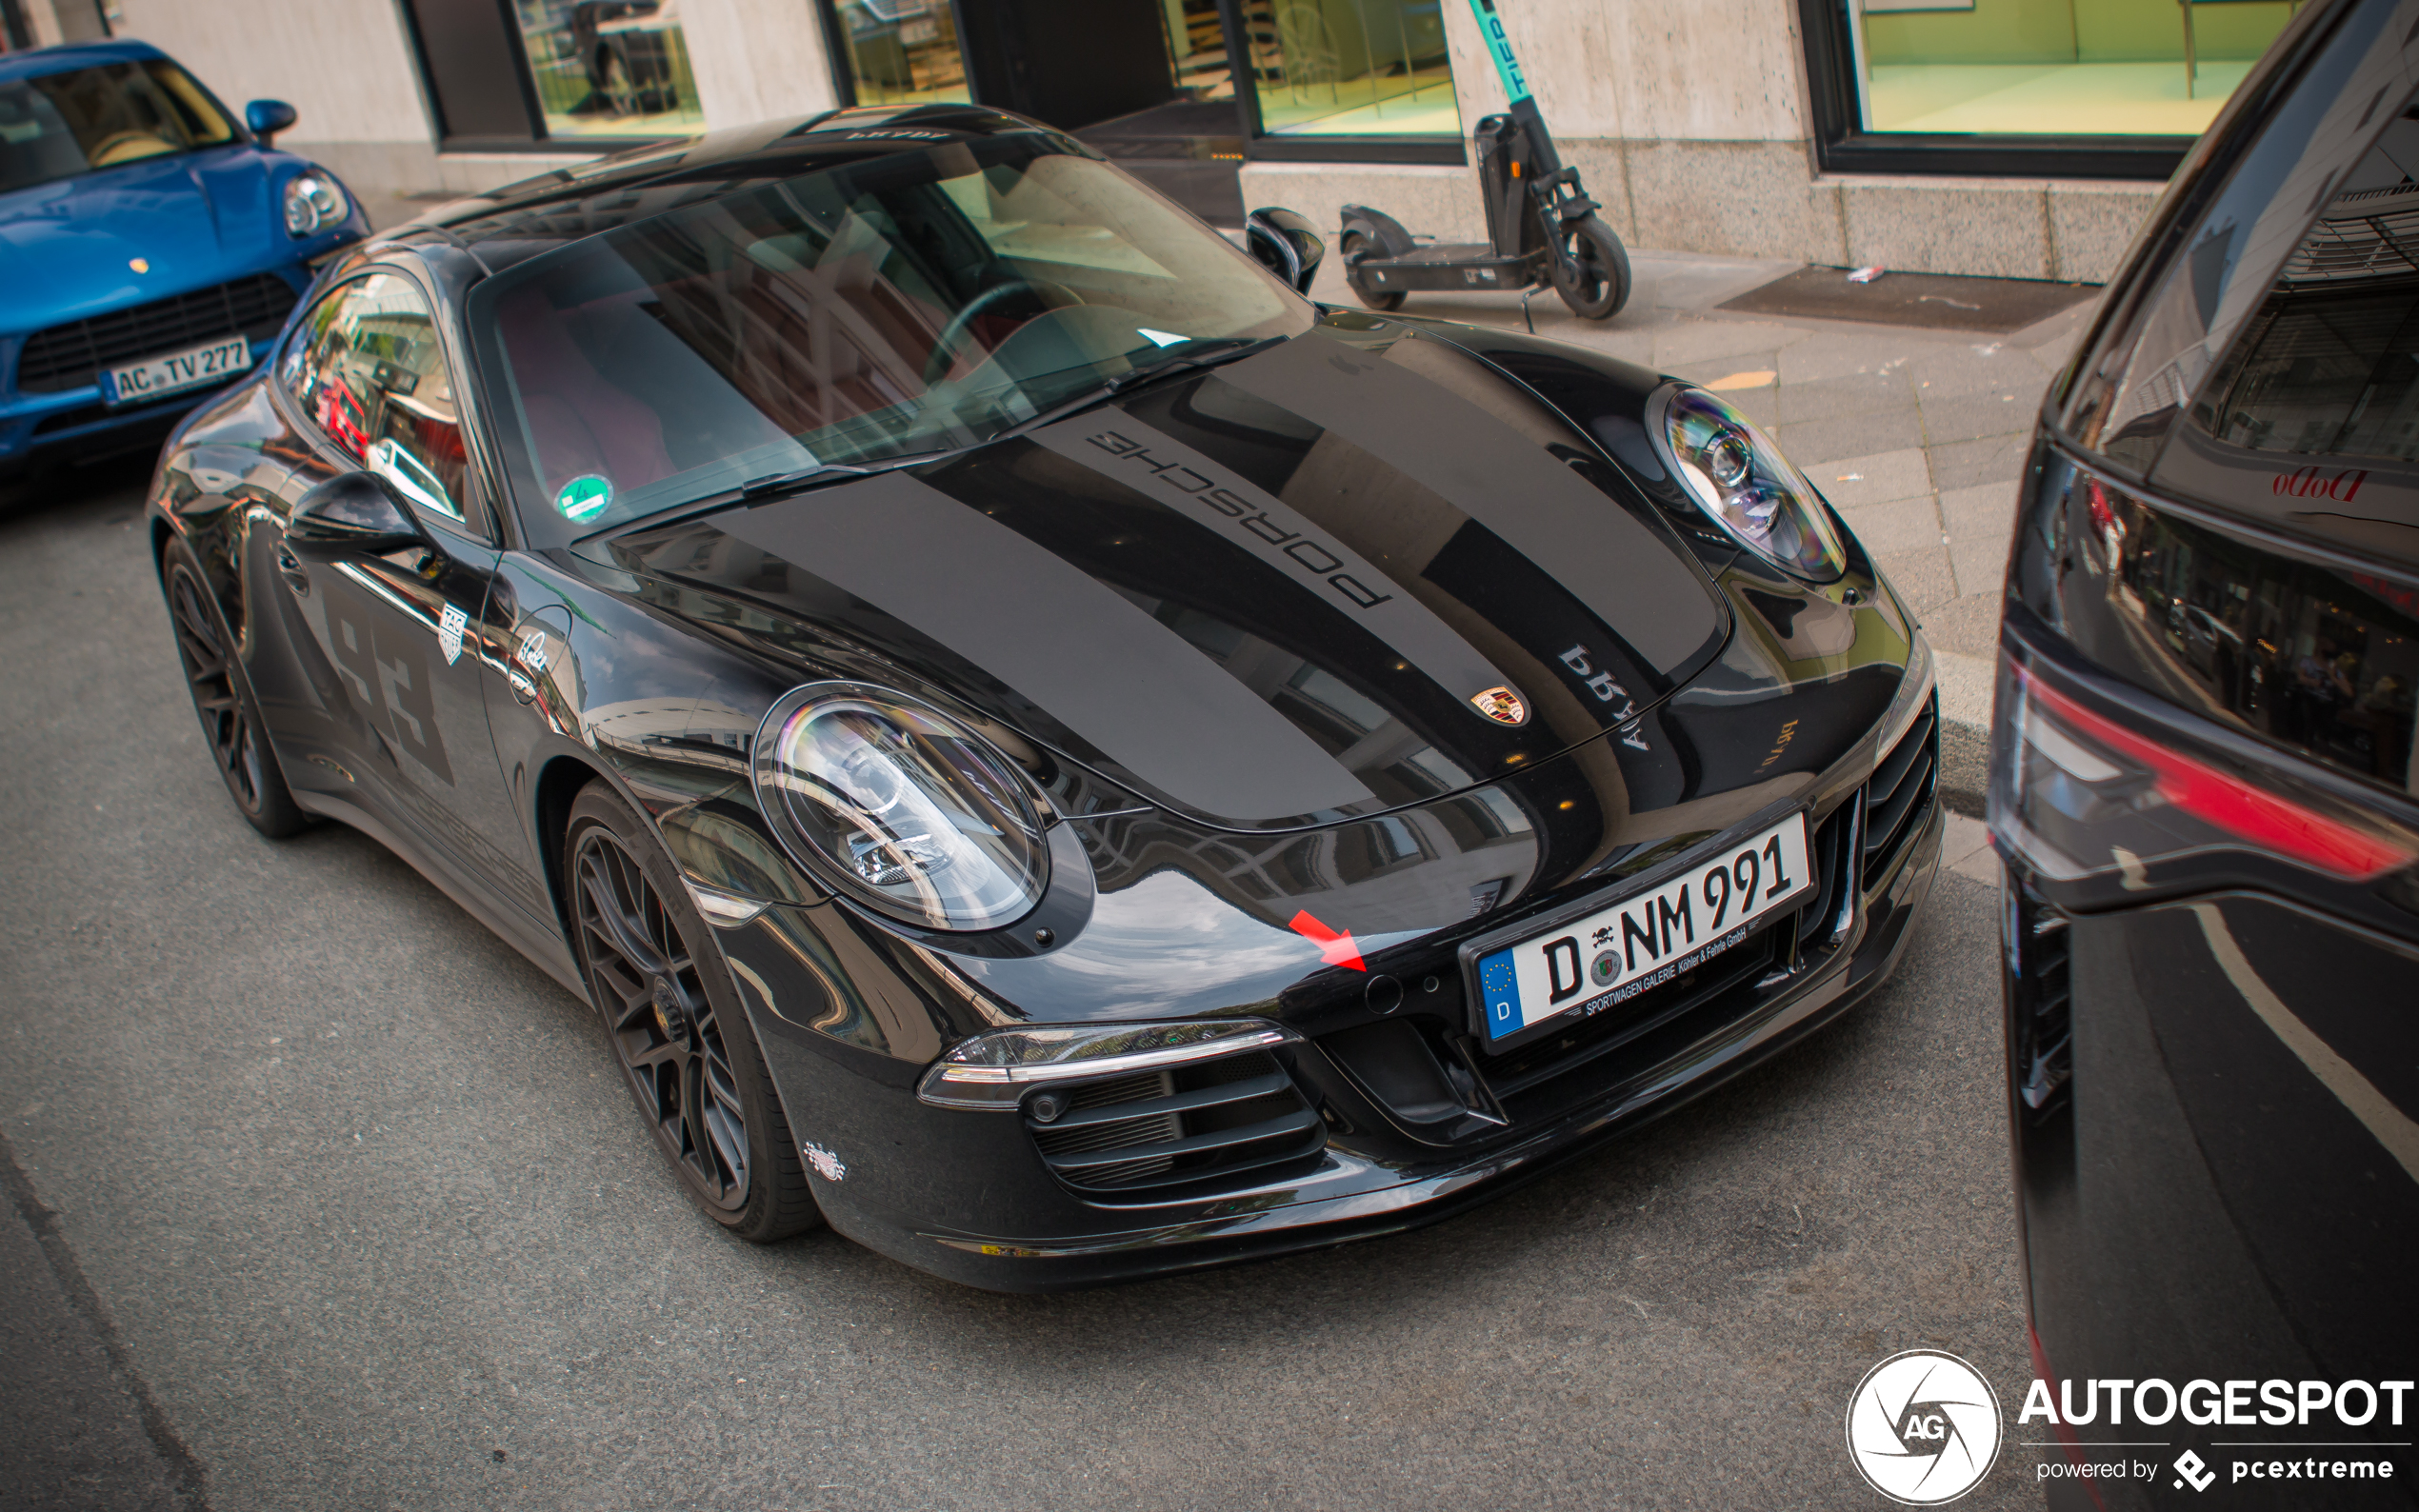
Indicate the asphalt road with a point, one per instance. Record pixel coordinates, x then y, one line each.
315 1195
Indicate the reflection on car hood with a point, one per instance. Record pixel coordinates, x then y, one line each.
1278 594
68 248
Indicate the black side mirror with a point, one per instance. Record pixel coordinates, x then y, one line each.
267 118
1286 244
353 512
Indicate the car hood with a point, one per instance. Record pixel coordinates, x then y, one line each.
1279 594
68 248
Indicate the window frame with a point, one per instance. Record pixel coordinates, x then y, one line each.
1842 145
480 521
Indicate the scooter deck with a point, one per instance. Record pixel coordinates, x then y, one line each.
1468 265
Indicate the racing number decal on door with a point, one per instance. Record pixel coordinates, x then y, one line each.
390 678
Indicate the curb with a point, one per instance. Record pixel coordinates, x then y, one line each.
1965 684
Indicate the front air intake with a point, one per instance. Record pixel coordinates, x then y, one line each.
1150 1134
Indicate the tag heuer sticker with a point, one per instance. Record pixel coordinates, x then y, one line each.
584 497
449 628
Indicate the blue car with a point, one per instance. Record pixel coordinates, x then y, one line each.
150 246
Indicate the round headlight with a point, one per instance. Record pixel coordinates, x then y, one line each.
312 204
1743 483
900 809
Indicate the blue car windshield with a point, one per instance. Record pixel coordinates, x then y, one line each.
919 302
56 126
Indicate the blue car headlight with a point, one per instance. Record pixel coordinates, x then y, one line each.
313 203
1743 483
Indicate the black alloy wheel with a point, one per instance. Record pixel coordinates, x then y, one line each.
221 698
1600 284
1355 247
679 1032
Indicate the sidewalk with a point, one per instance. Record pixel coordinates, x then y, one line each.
1917 437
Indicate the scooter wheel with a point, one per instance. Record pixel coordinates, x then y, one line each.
1601 285
1355 247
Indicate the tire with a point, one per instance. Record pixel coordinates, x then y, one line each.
677 1029
223 699
1354 246
1602 285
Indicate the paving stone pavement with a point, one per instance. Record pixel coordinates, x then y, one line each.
1917 437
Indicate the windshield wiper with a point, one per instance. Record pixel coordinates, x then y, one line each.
760 490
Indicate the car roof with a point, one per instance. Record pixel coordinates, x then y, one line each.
35 62
538 214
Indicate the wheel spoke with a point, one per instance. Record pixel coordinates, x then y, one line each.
631 940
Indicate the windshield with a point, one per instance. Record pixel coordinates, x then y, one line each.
914 303
59 125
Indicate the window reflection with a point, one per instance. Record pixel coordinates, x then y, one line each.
2057 66
368 371
903 51
1351 67
609 68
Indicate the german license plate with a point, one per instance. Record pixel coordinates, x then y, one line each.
189 369
1588 965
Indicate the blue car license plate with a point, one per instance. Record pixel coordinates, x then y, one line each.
1609 955
189 369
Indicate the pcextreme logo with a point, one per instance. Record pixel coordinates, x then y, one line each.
1923 1427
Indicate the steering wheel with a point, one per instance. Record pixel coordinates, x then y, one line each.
954 332
125 146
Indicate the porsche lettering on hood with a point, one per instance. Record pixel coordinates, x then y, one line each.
1333 579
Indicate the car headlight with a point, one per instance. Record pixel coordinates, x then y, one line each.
313 203
1744 484
900 809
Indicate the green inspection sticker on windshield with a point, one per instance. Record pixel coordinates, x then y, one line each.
584 497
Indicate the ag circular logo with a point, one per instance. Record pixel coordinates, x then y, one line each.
1923 1427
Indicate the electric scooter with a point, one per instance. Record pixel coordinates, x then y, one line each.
1540 225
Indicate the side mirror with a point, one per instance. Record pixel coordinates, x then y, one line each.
353 512
1285 244
267 118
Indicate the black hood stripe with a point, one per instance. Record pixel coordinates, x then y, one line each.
1608 560
1136 690
1125 450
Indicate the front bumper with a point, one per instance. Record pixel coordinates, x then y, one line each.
75 423
968 1196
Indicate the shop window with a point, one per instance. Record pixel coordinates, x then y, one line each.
2063 68
609 68
903 51
1197 56
1351 67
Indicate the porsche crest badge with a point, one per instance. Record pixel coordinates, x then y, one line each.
1501 705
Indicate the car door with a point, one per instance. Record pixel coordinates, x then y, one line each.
402 632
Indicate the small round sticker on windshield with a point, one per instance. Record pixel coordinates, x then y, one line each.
584 497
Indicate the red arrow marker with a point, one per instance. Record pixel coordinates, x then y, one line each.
1335 949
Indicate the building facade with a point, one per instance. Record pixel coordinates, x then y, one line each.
2022 138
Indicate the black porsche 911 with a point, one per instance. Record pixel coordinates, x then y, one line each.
2206 788
1047 749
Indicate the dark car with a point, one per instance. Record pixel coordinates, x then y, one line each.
154 244
2203 785
1048 749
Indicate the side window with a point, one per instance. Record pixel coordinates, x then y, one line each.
365 367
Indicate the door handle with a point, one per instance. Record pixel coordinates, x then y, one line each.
290 567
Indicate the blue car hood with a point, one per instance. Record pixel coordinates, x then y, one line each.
67 249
